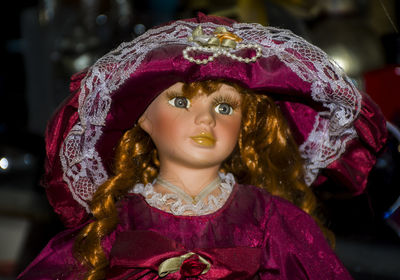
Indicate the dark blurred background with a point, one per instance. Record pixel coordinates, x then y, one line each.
46 41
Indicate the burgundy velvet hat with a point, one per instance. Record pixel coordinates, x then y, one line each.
339 130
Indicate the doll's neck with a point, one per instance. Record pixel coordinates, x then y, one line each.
183 195
191 180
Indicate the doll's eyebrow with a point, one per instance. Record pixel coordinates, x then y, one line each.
173 93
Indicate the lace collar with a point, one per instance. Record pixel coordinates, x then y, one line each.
174 204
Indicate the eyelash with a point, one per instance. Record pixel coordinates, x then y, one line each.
233 102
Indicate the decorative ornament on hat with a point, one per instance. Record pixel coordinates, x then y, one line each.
221 42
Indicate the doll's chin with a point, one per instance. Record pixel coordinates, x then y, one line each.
205 161
205 154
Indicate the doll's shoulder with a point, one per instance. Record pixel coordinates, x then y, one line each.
282 221
275 210
262 198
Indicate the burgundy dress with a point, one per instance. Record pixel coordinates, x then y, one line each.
253 236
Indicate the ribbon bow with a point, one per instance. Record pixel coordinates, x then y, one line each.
149 253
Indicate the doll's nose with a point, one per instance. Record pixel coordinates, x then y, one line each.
205 117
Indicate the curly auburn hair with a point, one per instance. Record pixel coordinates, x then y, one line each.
266 156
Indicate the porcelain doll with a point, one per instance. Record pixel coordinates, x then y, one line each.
191 152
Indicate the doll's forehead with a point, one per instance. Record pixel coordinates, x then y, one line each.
219 87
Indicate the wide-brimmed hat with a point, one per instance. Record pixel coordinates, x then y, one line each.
339 129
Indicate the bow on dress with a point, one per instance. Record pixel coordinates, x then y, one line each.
149 255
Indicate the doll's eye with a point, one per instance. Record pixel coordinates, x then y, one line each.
224 109
180 102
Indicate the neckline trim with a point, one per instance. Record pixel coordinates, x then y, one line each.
171 203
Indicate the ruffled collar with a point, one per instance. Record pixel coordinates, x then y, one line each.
174 204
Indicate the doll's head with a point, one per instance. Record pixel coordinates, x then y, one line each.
196 130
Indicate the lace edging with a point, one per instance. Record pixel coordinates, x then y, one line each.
173 204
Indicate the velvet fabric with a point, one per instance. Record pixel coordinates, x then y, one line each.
253 236
165 66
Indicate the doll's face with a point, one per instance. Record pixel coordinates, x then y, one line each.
199 132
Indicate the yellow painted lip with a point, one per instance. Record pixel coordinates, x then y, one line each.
204 139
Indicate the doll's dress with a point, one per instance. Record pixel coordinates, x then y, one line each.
253 235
